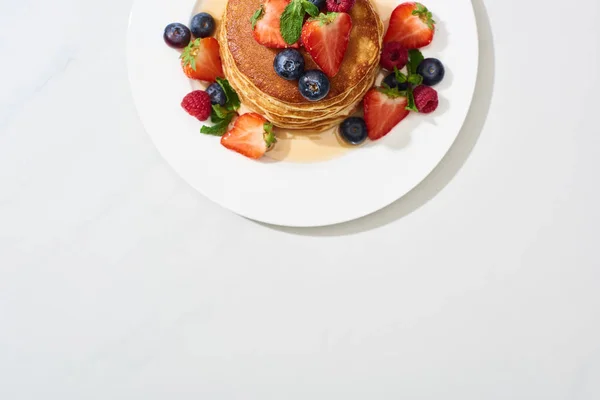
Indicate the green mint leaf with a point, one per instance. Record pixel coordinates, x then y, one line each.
218 129
291 22
258 14
310 8
220 113
415 79
400 77
415 57
411 106
233 100
214 117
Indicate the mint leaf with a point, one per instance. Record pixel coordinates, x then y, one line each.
233 100
258 14
291 22
400 77
310 8
415 57
219 128
222 116
415 79
411 106
218 113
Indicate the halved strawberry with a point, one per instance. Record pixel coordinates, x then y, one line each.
326 38
251 135
384 109
201 60
412 25
266 24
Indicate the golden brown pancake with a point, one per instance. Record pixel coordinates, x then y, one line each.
249 67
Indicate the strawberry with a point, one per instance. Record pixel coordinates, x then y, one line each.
201 60
326 38
412 25
251 135
384 109
266 25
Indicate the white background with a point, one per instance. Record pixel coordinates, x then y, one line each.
118 281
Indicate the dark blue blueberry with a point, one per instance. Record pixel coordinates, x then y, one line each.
319 3
202 25
353 130
289 64
313 85
391 81
177 35
217 94
432 71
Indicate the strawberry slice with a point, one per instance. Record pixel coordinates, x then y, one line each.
266 24
384 109
201 60
326 38
251 135
412 25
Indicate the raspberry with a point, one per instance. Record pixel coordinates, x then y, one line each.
197 104
393 55
340 5
426 99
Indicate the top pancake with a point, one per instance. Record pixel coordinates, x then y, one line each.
255 61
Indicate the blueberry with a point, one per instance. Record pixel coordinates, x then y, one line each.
177 35
217 94
353 130
319 3
202 25
313 85
289 64
391 81
432 71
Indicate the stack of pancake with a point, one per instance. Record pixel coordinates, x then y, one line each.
249 68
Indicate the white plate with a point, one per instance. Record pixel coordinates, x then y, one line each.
299 194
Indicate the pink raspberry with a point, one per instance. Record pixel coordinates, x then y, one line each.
197 104
393 55
340 5
426 99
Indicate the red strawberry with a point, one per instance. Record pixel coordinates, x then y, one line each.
384 109
412 25
266 24
201 60
251 136
326 38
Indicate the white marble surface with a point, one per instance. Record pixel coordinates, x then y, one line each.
118 281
